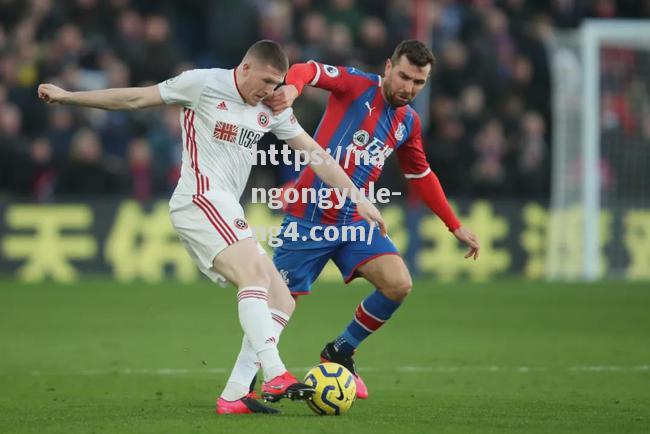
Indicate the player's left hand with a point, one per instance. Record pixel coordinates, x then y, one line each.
371 214
468 237
282 98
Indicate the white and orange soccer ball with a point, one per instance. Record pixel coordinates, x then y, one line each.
335 389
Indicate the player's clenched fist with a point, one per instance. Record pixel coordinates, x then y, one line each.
51 93
282 98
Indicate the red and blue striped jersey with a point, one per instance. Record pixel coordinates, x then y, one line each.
358 120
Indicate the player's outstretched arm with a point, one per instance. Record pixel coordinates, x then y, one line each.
130 98
332 174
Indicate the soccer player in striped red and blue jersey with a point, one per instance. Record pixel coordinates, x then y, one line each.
371 115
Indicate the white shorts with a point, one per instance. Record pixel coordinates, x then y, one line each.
208 223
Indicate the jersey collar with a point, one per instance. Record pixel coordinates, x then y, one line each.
234 76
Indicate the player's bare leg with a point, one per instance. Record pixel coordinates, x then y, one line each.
393 281
264 304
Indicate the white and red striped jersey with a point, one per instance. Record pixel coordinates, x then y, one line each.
220 131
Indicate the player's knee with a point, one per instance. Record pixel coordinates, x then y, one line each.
254 273
288 304
403 287
397 289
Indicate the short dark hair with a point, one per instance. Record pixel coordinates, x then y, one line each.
270 53
415 51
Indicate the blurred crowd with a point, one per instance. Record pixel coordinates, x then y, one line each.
487 131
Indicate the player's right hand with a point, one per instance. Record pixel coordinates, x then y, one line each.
282 98
51 93
371 214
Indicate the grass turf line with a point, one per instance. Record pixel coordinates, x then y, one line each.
449 334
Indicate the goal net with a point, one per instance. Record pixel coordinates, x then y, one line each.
599 220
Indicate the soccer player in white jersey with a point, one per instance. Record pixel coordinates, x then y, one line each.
222 118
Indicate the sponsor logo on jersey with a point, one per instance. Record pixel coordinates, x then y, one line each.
399 131
248 138
263 119
240 223
331 71
225 131
222 106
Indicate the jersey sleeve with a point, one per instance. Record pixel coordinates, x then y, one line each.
184 89
342 79
411 156
287 126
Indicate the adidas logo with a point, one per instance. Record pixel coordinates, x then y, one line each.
222 106
270 340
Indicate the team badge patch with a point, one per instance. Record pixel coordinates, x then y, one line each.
331 71
399 131
241 223
263 119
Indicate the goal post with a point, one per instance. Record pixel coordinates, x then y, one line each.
601 98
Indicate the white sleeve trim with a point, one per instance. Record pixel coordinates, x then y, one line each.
418 175
317 76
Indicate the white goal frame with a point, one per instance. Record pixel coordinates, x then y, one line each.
592 35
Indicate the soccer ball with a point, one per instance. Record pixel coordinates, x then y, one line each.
335 389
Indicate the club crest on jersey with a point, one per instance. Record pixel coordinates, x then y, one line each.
225 131
399 131
331 71
240 223
361 138
263 119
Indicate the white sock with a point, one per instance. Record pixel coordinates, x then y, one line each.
257 323
247 364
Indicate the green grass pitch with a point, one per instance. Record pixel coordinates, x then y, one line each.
500 357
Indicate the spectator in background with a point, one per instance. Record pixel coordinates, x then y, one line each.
373 44
340 48
489 174
86 173
128 40
164 141
566 13
531 154
59 131
492 60
12 143
314 35
160 52
143 177
454 72
445 148
114 127
275 21
33 173
344 12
